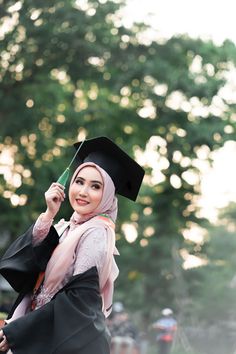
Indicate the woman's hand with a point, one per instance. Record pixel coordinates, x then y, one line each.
3 342
54 197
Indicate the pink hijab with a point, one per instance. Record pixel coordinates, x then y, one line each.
59 264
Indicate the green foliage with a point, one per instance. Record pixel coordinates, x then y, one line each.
212 290
69 70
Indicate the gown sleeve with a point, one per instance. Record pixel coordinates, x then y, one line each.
22 261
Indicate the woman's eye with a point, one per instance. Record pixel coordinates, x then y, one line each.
96 186
78 181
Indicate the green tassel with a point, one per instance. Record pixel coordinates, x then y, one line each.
64 177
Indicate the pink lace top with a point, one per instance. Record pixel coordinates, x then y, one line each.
91 252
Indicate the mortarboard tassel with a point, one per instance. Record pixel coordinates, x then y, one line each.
65 175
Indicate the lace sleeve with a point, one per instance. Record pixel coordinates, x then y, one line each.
41 229
91 251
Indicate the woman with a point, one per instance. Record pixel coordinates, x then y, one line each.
65 274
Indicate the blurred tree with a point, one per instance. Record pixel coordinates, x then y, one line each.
70 69
213 286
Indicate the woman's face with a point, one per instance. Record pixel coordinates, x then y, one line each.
85 193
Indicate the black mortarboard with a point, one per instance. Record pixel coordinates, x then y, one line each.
126 174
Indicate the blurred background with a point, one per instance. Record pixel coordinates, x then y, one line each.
158 78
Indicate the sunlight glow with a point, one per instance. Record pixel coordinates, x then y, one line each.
175 181
194 233
192 261
218 182
153 157
148 110
130 232
12 174
178 17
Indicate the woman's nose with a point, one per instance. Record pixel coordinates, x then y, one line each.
83 190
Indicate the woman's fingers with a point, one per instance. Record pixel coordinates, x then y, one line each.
55 193
3 342
54 196
58 185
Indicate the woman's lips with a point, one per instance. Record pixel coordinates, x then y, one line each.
81 202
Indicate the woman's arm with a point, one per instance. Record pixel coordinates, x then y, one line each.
54 196
41 228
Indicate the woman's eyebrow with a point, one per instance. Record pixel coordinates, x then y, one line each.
80 178
97 182
93 181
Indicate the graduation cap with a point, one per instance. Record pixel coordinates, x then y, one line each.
126 174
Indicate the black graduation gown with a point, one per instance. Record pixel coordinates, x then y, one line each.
71 323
